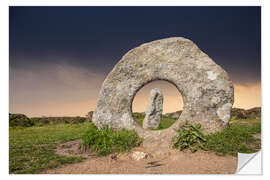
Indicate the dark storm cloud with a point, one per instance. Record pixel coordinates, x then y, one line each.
59 56
97 37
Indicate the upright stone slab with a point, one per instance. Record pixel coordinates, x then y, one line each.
205 87
153 111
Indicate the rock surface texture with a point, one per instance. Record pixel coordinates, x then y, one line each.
137 155
153 111
206 89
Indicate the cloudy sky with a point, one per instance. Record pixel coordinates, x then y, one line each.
59 56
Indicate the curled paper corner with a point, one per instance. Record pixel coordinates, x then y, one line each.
249 163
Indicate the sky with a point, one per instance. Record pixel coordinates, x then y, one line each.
60 56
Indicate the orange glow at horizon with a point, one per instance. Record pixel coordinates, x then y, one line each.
172 99
245 97
248 96
69 91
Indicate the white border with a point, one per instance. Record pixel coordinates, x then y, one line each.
4 72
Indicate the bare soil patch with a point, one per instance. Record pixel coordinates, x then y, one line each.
257 146
158 161
257 136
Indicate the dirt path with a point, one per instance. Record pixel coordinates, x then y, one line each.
158 161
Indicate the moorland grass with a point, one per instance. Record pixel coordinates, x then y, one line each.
165 122
31 149
238 137
107 140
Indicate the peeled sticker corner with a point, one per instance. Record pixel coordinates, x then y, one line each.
249 163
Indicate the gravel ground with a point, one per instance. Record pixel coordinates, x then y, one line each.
158 161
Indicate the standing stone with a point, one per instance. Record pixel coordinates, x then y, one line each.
153 111
207 90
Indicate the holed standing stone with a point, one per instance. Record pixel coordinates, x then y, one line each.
207 90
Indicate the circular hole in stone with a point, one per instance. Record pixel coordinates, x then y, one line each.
172 103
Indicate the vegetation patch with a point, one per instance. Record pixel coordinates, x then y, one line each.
23 121
234 139
165 122
32 149
40 121
106 140
19 120
189 137
238 137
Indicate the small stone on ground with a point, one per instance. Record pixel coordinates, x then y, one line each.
137 155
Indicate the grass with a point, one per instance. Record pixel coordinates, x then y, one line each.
106 140
238 137
32 149
165 122
234 139
244 121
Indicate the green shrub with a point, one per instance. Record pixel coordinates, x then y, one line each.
35 120
44 121
19 120
106 140
189 137
40 121
77 120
